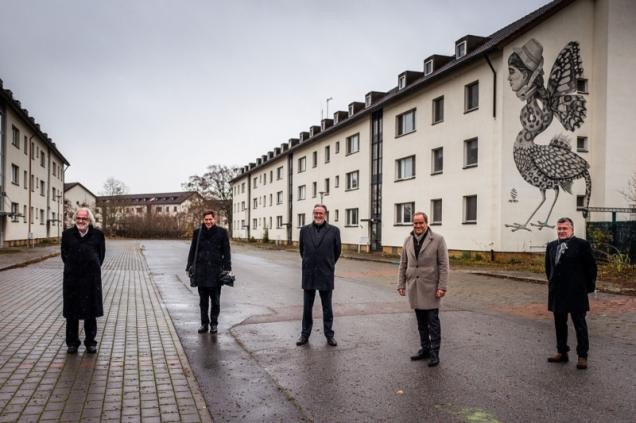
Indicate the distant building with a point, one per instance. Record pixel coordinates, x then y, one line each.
474 142
31 177
77 195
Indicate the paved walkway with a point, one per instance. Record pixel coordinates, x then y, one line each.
140 372
22 256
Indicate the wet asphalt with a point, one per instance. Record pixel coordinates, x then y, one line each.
493 361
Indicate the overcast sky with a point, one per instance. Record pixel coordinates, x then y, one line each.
152 91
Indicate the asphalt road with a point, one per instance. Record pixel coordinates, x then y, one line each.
496 337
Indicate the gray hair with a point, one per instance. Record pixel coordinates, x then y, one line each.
566 220
91 217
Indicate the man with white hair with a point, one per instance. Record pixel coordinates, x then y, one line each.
83 250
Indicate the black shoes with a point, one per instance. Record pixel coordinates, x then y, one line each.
332 341
581 364
91 349
302 340
558 358
71 350
203 329
421 355
214 329
434 361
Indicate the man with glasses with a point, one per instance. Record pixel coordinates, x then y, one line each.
83 250
319 245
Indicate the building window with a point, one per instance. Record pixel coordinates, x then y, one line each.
580 202
43 159
327 153
404 213
471 97
255 184
254 223
271 176
460 50
352 217
436 211
470 209
54 169
302 191
15 174
243 188
264 179
326 187
271 200
301 220
15 210
42 189
405 123
470 153
24 214
352 180
279 197
401 82
26 145
302 164
314 189
279 173
336 215
438 110
279 222
337 147
581 85
254 203
159 209
242 205
15 139
314 159
581 144
42 217
405 168
336 182
353 144
428 67
26 180
174 209
437 160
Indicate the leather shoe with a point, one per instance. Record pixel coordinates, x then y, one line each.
71 350
214 329
558 358
203 329
581 364
332 341
302 340
434 361
421 355
91 349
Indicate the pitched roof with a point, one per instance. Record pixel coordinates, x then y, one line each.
152 198
71 185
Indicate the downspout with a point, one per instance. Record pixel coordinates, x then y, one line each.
249 204
494 87
3 175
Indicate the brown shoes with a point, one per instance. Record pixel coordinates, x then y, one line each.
558 358
581 364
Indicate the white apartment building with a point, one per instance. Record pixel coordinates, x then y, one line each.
31 177
456 141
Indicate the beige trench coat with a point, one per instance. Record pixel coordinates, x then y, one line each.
423 275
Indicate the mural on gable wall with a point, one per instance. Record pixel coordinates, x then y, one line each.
555 165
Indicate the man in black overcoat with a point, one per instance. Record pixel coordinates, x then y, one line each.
212 257
571 271
319 245
83 250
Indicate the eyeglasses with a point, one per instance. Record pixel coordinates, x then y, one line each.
81 219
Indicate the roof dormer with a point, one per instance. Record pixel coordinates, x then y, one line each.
468 44
314 130
355 107
339 116
303 136
326 123
372 97
435 62
407 77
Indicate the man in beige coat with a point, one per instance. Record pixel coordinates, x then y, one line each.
424 276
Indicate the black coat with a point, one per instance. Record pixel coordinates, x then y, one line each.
320 251
572 279
213 256
82 286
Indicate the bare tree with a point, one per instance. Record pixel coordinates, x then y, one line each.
630 192
110 208
114 186
214 186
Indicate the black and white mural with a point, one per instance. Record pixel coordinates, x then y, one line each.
555 165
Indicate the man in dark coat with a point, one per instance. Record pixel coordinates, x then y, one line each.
83 250
212 257
571 271
319 245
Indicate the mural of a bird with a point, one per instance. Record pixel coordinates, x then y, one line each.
554 166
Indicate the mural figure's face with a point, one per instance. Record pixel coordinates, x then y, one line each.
517 78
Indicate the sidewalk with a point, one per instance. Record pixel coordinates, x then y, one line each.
140 372
22 256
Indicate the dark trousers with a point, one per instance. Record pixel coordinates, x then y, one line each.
580 327
430 329
72 332
327 312
209 295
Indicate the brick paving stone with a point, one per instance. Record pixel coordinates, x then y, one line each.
140 372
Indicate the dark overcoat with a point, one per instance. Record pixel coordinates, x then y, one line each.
572 278
82 286
320 250
213 256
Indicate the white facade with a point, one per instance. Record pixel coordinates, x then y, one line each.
32 178
77 195
484 201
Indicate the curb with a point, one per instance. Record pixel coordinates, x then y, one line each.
28 262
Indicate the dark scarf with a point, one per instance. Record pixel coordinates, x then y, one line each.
417 244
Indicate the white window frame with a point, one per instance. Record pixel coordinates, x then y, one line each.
353 144
401 120
467 143
435 219
465 217
434 169
353 180
582 144
302 164
438 105
467 90
401 168
404 213
302 192
353 217
428 67
461 49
